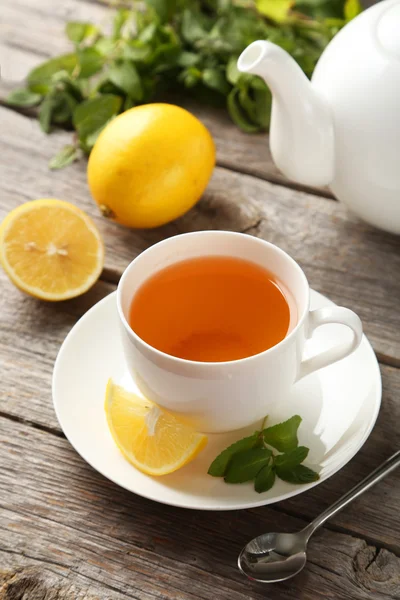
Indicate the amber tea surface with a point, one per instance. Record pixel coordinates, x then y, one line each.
211 309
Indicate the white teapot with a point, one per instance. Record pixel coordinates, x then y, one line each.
342 129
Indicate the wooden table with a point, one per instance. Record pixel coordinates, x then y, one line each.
66 532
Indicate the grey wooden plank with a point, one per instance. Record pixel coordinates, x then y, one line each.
57 510
30 336
31 333
353 263
22 48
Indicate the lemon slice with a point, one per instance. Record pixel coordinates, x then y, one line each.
151 439
51 249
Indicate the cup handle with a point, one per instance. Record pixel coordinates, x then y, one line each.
322 316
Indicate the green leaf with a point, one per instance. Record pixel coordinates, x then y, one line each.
262 106
137 51
245 465
352 8
91 139
192 30
78 31
46 112
188 59
93 114
283 436
120 20
237 114
105 47
90 62
215 80
298 474
67 155
128 103
190 76
278 10
292 458
64 106
320 9
265 479
220 464
40 78
232 72
125 77
23 97
163 8
148 33
247 103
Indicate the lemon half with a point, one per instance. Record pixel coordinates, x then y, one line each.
51 249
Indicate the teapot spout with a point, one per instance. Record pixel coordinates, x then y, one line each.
301 131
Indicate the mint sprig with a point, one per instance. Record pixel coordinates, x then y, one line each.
251 458
184 48
245 465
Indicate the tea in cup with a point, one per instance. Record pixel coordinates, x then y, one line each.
214 325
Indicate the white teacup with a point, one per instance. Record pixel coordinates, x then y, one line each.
224 396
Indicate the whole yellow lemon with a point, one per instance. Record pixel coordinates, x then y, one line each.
150 165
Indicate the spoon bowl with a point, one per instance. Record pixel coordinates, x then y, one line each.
274 557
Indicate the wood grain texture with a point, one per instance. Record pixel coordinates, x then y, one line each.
68 533
58 511
39 581
21 49
356 265
31 333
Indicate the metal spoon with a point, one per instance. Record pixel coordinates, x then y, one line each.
273 557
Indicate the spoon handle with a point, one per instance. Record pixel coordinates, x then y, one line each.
379 473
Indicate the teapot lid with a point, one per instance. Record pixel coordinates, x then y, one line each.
388 30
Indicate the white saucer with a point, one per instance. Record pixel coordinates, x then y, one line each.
339 406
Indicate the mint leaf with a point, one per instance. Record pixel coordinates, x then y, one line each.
297 474
92 138
121 18
90 62
220 464
292 458
40 78
283 436
136 51
163 8
77 31
65 105
187 59
89 116
148 33
23 98
67 155
237 113
105 46
215 79
262 105
125 77
192 28
46 111
265 479
245 465
232 72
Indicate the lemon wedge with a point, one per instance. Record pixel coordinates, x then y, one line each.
51 249
151 439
